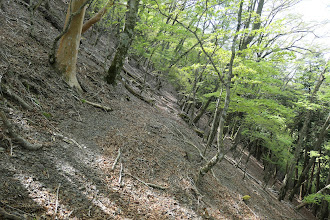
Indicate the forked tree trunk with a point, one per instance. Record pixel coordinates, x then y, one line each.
97 17
67 53
220 154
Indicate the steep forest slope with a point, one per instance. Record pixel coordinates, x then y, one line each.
137 161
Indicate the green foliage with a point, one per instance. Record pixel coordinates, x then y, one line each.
316 198
272 82
47 115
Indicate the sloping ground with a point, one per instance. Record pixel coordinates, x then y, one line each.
76 175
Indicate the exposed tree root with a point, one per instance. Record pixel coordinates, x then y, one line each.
6 215
16 137
136 78
50 18
15 97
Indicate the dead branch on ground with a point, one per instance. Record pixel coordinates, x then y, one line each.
148 184
136 94
120 174
66 139
105 108
56 203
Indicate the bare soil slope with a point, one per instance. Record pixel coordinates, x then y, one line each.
135 162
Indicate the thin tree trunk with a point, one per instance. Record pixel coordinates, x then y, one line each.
301 137
324 210
309 187
126 39
202 111
215 123
317 147
324 189
317 177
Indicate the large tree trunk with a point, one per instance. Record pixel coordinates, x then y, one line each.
126 38
67 53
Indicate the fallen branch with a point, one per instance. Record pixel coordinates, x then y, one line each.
67 140
16 137
105 108
131 90
148 184
14 96
136 78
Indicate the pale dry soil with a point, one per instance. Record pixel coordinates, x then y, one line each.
71 177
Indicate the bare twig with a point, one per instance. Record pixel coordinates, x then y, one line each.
56 203
116 160
120 174
16 209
